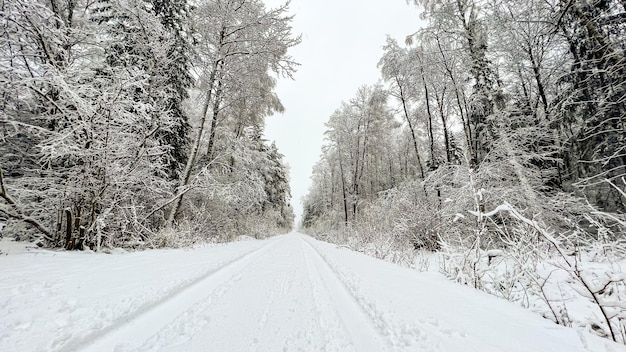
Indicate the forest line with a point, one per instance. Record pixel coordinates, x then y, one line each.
139 123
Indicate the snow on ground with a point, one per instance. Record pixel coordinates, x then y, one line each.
289 293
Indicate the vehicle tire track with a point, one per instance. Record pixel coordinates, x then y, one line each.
131 330
316 286
362 330
399 337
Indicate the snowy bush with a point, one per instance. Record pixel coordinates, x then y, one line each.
558 274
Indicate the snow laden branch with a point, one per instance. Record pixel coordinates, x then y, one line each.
575 268
507 208
13 211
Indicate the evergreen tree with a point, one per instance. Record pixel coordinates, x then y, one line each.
593 105
175 16
152 37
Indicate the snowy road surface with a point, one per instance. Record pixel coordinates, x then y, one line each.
289 293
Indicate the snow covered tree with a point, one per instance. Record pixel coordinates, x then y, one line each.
86 121
464 20
175 15
592 105
356 129
277 188
240 45
170 78
396 67
357 159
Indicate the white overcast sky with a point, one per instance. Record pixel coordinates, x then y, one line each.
341 44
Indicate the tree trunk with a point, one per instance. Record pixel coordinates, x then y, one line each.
466 127
343 188
216 108
446 137
430 118
408 120
186 175
68 229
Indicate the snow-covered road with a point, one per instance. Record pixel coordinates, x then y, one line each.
289 293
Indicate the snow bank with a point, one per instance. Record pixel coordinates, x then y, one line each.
49 300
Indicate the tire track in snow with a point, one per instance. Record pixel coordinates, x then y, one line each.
267 311
132 330
413 335
408 336
325 320
282 285
362 331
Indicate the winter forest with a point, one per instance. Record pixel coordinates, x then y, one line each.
496 137
139 123
494 140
